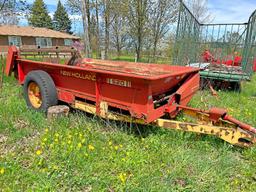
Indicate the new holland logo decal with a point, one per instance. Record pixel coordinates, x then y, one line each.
85 76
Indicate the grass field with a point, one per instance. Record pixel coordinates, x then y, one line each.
84 153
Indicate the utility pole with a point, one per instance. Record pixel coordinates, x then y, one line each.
88 51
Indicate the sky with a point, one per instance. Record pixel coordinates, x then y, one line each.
223 11
231 11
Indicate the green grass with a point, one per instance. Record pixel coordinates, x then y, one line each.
84 153
144 59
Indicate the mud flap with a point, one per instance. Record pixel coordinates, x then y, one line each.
12 54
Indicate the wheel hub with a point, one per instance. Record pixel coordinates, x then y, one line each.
34 95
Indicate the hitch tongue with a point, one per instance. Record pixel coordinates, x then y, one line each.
217 122
217 113
240 124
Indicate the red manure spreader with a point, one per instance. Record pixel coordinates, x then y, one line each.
132 92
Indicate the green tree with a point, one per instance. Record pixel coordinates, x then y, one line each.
61 20
39 16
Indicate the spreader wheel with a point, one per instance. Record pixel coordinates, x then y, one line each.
39 91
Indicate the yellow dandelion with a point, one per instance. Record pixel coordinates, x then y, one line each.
46 130
57 134
55 167
123 177
44 170
91 147
2 171
121 146
56 140
79 145
38 152
116 148
110 143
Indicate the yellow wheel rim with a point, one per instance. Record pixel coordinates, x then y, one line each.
34 95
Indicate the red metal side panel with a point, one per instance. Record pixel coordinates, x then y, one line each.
125 93
188 89
66 96
70 79
162 85
21 75
12 55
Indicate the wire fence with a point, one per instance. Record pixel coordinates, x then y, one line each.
224 52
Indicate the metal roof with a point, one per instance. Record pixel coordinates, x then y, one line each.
14 30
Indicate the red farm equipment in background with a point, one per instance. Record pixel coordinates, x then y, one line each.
132 92
231 60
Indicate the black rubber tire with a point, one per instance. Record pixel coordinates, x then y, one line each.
237 86
47 89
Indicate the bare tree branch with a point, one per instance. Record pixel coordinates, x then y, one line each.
2 6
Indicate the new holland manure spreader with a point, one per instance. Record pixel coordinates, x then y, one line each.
132 92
